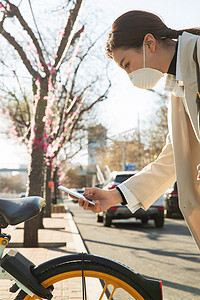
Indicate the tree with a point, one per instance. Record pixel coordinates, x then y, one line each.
121 152
57 105
143 146
156 129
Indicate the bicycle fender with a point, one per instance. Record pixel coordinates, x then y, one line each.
152 286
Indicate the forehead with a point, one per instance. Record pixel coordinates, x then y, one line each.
120 54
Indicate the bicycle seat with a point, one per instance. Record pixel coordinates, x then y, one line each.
18 210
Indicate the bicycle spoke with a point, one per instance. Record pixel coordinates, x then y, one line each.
112 286
110 298
103 292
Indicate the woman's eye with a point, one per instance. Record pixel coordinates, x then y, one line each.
126 66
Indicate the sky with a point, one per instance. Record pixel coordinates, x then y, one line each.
125 103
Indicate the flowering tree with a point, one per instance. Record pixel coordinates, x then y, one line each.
47 122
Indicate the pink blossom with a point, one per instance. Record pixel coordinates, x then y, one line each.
52 70
13 130
61 32
51 87
46 98
33 126
49 111
37 82
28 47
44 119
2 8
45 135
69 121
40 67
75 114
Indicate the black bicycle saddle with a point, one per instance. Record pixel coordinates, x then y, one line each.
18 210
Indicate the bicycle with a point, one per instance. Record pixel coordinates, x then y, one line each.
39 282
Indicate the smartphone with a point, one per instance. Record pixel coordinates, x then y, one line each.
74 194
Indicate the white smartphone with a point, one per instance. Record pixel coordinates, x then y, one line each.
74 194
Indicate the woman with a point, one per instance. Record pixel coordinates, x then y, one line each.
142 45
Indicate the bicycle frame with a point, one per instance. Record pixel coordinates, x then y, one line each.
16 267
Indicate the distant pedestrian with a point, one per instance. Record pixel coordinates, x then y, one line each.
142 45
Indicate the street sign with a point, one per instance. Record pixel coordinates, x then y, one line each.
130 167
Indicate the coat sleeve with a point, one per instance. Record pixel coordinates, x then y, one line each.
154 179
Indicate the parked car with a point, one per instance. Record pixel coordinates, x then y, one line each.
171 202
155 212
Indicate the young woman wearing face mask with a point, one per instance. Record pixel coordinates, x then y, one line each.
142 45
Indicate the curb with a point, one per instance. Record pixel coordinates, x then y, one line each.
94 287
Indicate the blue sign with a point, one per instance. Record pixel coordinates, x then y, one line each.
130 167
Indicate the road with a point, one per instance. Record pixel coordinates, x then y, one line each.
168 254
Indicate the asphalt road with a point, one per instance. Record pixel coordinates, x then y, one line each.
168 254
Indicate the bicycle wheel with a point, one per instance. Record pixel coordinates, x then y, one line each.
117 280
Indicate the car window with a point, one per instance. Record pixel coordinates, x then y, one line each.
122 178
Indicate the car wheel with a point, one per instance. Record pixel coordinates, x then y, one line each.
159 222
107 221
99 218
144 220
168 214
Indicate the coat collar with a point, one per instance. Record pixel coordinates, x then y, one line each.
187 69
189 77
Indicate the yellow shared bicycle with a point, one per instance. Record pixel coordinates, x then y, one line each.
41 282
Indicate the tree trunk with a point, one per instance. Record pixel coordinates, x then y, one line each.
55 180
35 176
47 191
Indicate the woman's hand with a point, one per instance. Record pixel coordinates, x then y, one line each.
103 199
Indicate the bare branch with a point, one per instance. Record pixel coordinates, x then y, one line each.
101 98
38 33
15 11
11 40
65 41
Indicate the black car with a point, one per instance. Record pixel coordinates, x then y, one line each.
171 202
155 211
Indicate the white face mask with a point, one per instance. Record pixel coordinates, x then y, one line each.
145 78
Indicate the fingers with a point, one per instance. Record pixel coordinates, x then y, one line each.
90 191
87 206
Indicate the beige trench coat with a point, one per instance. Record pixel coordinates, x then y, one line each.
181 154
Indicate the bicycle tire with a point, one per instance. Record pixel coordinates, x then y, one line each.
111 272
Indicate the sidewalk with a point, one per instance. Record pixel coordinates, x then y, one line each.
60 237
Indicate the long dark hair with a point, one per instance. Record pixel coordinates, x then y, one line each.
130 29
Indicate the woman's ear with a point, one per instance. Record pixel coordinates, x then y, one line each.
150 42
